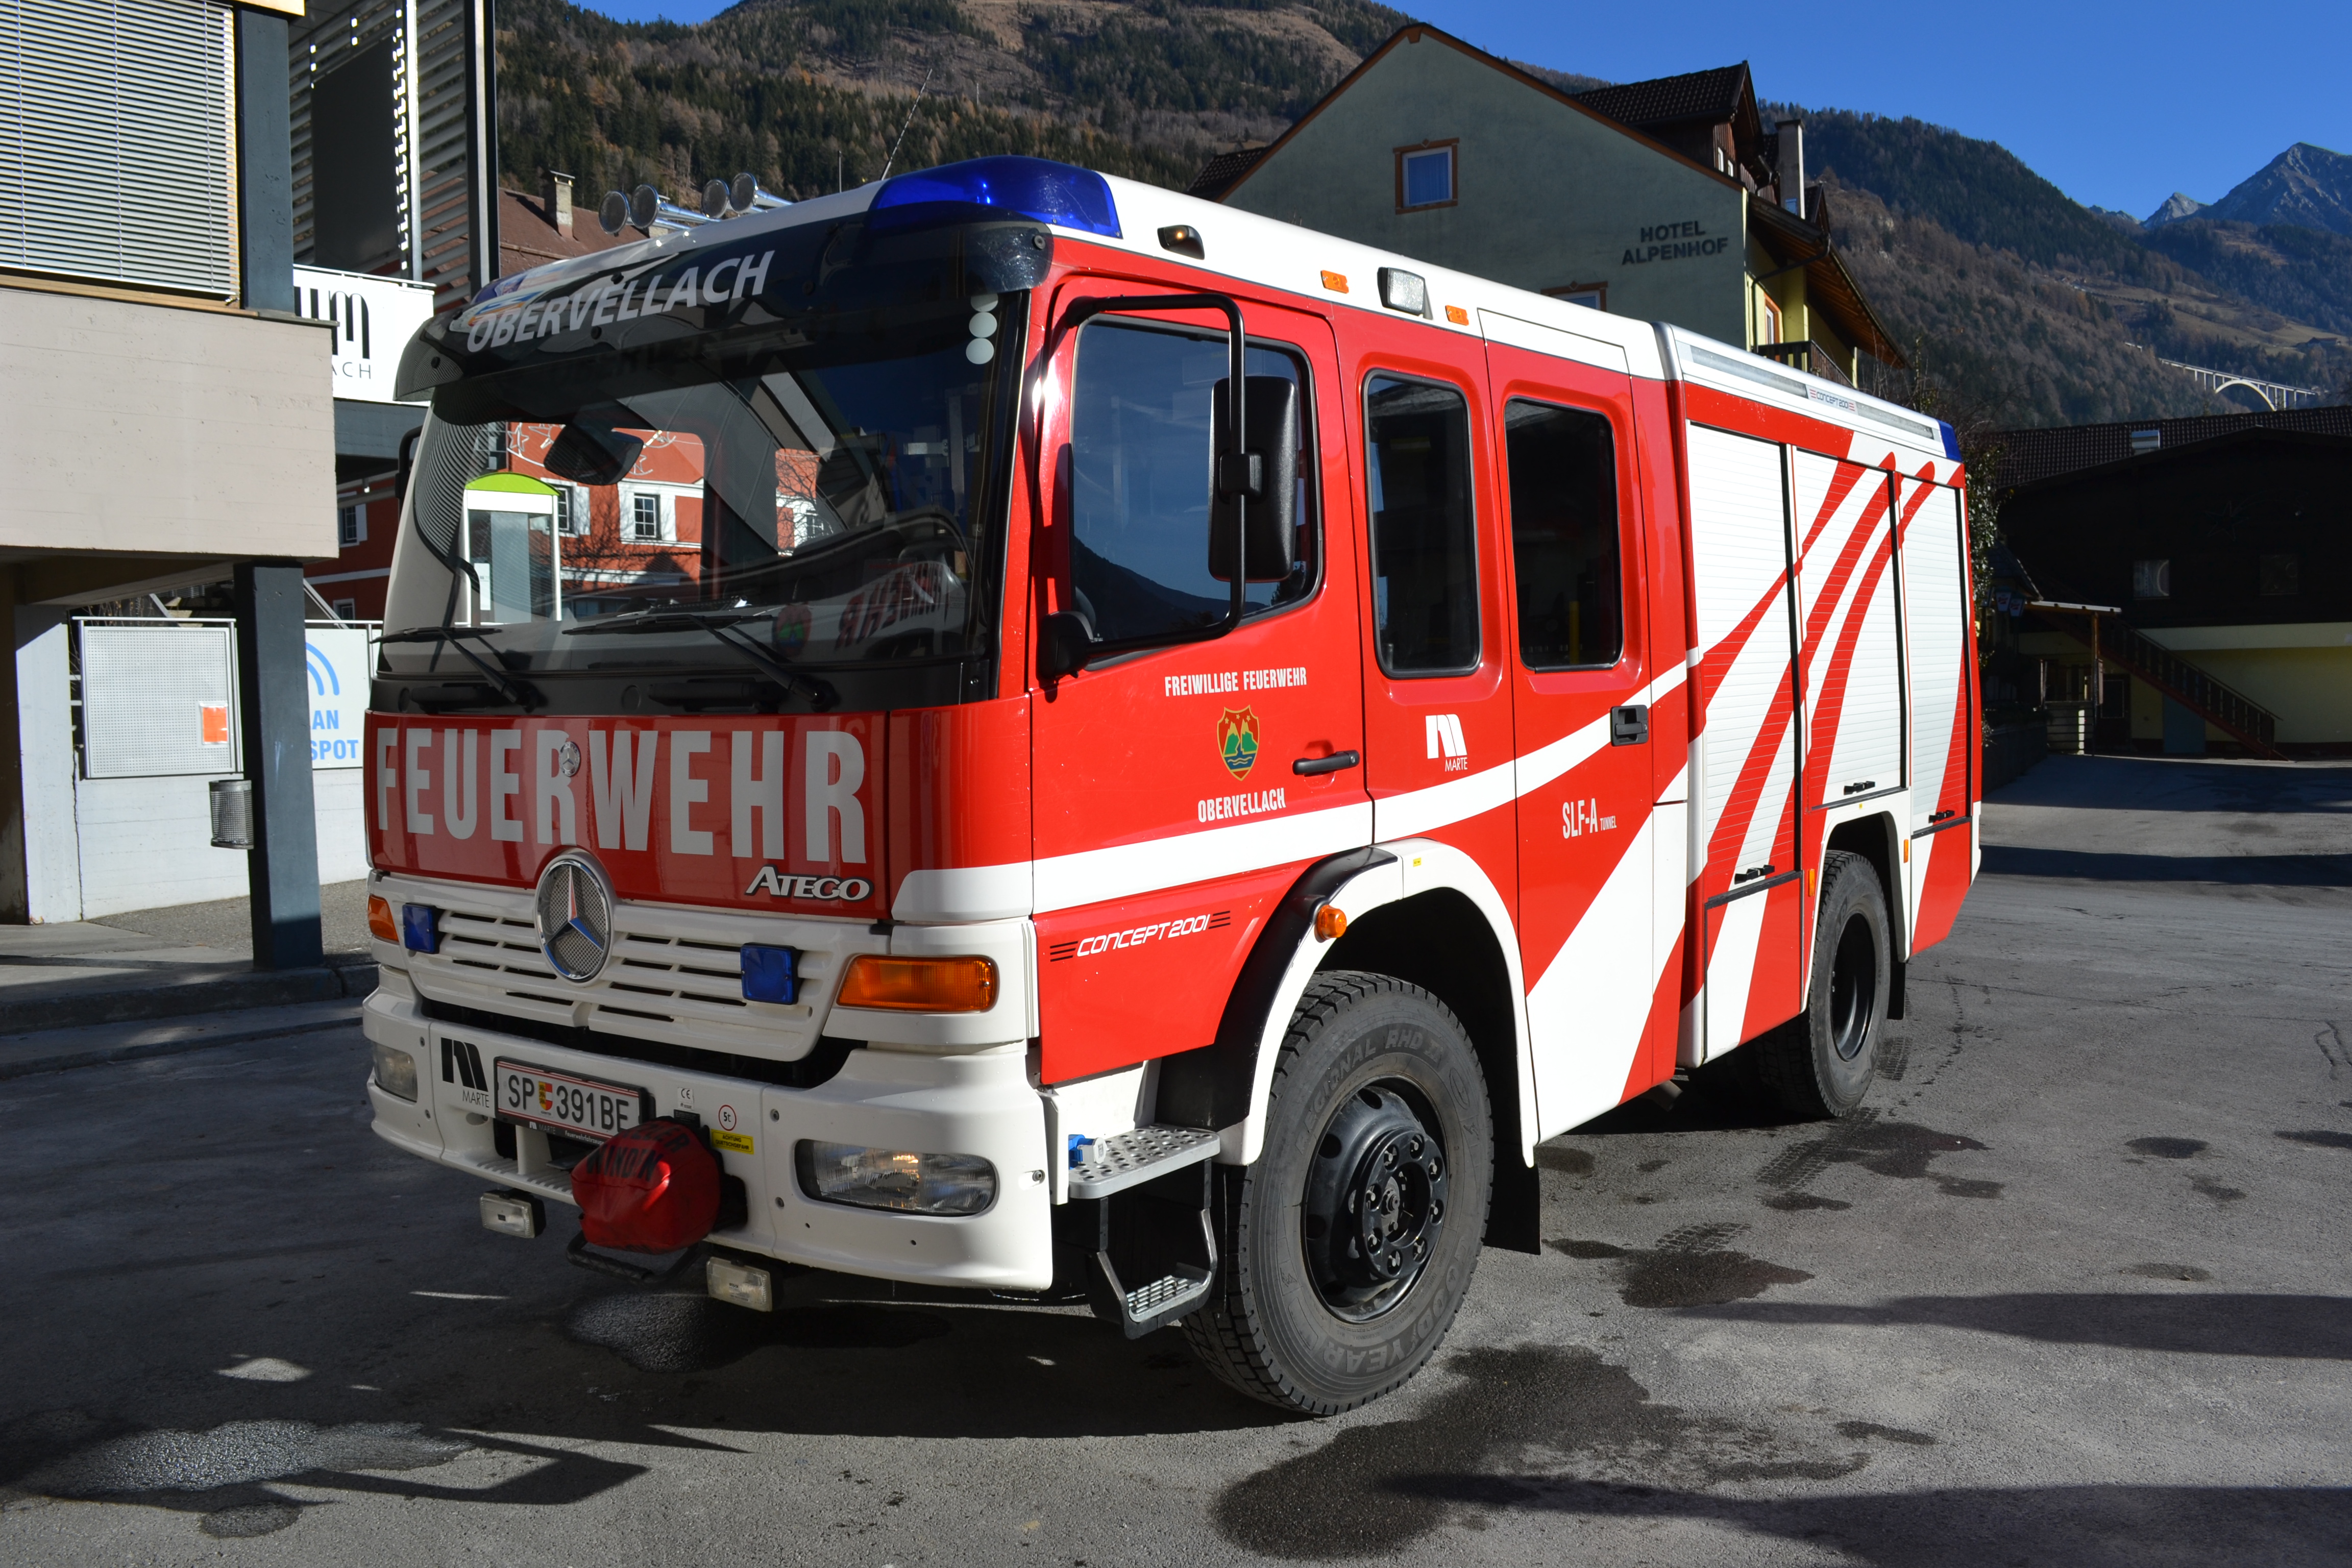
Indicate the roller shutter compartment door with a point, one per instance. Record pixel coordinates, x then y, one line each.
1743 790
1846 605
1943 723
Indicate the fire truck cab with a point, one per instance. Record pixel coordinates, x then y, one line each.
1158 754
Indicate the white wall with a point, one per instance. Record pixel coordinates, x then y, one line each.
147 842
154 430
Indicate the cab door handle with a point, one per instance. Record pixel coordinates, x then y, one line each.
1629 726
1338 761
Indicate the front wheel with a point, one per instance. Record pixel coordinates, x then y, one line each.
1351 1243
1821 1062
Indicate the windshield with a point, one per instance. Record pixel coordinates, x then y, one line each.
768 501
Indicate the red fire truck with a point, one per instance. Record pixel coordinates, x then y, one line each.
1174 750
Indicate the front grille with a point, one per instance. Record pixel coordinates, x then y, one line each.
671 976
811 1071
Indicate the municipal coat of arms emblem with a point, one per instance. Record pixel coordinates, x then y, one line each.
1237 741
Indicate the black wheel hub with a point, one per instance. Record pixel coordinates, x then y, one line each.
1375 1204
1854 988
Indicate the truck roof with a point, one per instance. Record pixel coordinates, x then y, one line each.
1344 274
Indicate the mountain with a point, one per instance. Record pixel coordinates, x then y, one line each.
809 93
1998 340
2116 220
2178 205
2270 308
2021 303
2304 273
2305 187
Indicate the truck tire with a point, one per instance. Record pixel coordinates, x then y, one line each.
1349 1245
1821 1062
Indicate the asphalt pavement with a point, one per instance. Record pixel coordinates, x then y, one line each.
2073 1289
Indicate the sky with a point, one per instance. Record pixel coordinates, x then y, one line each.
2118 105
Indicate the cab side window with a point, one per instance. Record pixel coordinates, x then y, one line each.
1425 553
1144 412
1564 536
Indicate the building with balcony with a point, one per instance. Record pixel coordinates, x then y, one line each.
1669 200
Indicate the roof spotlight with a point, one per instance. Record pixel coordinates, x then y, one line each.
644 202
715 199
612 216
745 189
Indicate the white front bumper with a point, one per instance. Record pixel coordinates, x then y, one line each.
976 1103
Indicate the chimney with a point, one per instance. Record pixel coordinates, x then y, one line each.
555 191
1790 178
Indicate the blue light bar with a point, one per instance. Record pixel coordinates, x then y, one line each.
771 973
1952 439
1006 187
419 930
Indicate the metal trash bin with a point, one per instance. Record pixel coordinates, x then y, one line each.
231 813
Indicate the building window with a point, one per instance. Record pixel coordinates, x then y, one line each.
570 511
1424 175
1767 319
348 609
2151 579
2282 576
1592 296
351 526
646 518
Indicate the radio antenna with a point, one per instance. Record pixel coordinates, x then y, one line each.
909 125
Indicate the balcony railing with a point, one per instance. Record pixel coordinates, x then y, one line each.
1807 356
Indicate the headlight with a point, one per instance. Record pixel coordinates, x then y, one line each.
396 1072
895 1178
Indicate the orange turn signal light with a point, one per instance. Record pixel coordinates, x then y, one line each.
380 924
920 984
1330 922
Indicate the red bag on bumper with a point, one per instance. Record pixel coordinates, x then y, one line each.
654 1188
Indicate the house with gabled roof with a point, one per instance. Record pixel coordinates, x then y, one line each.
1670 200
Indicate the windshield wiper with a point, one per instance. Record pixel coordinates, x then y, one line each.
507 688
820 694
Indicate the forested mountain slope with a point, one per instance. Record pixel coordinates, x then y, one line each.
807 92
2021 303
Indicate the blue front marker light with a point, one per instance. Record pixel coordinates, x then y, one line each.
420 928
771 973
1006 187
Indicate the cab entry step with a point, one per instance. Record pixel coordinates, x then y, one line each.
1124 1159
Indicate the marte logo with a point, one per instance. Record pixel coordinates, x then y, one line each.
1237 741
1444 733
461 1064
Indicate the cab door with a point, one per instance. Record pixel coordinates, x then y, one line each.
1437 756
1579 653
1180 789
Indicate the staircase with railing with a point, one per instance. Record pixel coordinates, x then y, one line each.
2231 712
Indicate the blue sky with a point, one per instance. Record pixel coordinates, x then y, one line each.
2118 105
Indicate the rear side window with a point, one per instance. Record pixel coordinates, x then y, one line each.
1143 420
1564 544
1424 554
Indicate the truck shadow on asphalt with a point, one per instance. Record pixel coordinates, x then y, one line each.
621 1367
2289 1328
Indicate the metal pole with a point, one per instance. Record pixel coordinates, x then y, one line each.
273 682
2098 691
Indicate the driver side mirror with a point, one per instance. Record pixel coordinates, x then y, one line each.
1066 641
1267 482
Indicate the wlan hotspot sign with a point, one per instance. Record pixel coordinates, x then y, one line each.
338 661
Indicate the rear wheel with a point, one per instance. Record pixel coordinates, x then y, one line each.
1350 1245
1821 1062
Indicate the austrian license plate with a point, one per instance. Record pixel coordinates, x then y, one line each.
563 1102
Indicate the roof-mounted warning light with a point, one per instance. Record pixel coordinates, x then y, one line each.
1007 187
